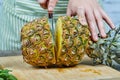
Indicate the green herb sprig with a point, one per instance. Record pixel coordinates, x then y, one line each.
6 75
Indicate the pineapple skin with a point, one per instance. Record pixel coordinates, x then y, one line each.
37 43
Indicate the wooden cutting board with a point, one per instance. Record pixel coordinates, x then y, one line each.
83 71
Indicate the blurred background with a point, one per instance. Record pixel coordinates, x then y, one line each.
0 4
111 7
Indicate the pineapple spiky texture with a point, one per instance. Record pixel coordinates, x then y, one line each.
67 44
37 43
40 49
71 39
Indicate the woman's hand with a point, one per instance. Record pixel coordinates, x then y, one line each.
48 4
90 12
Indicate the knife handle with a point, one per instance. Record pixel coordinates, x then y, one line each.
50 14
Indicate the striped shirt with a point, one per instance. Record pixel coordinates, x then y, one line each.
15 13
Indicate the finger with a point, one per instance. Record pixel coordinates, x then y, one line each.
43 3
92 24
99 22
68 11
107 19
81 16
51 5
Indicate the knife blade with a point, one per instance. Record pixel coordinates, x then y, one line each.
50 19
51 22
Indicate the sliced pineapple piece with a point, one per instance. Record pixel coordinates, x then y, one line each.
70 41
37 43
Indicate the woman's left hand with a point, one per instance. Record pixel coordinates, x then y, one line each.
89 12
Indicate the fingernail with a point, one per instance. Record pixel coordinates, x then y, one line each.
50 8
83 22
113 27
41 1
104 35
95 38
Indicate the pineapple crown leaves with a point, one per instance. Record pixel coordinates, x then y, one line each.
107 50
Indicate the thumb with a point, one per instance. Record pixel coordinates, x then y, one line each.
68 12
51 5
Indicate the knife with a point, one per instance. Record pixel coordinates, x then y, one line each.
51 22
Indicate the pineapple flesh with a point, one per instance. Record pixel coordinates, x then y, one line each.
40 49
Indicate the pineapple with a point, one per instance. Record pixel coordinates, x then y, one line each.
37 43
71 39
67 45
40 49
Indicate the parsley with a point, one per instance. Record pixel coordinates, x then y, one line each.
5 75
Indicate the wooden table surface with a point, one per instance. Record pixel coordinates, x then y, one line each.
83 71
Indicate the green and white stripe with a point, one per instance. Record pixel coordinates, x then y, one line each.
15 14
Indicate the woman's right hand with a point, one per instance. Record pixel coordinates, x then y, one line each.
48 4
